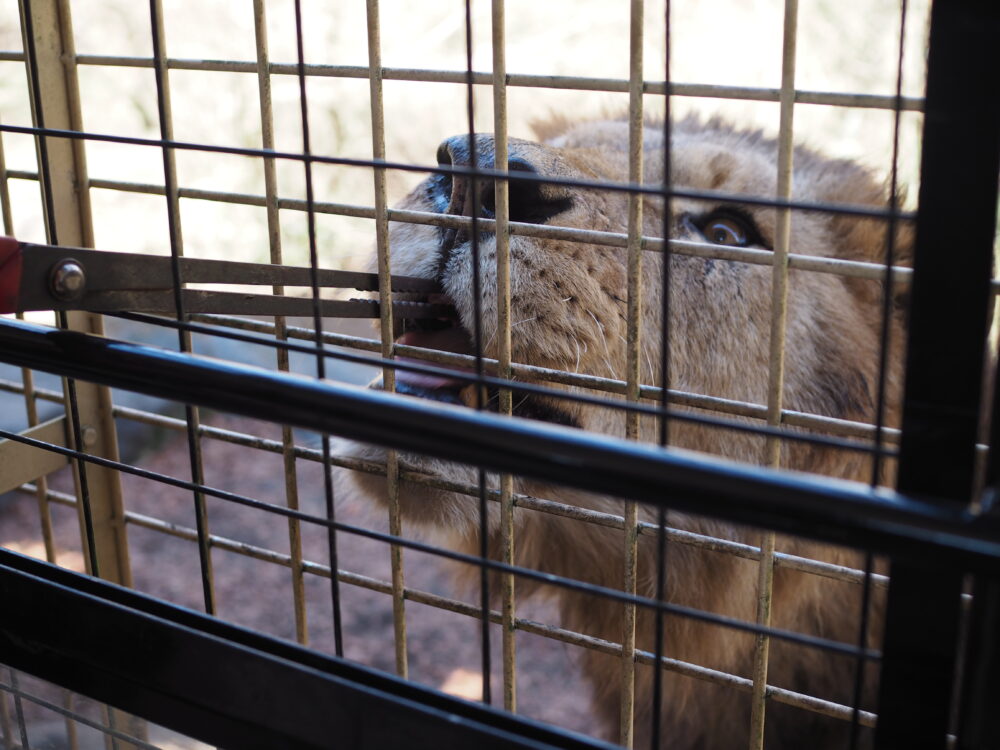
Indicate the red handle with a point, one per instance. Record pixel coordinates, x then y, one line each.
10 274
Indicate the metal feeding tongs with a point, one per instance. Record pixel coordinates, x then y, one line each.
51 277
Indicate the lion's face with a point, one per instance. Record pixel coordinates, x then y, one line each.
569 299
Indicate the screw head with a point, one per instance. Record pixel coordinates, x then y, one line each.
67 280
89 435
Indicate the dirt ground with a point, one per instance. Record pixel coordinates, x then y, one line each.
443 647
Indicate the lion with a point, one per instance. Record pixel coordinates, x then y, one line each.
569 313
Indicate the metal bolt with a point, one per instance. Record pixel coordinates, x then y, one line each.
67 280
89 435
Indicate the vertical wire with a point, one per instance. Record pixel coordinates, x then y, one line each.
859 664
45 514
192 419
48 201
75 108
385 322
111 722
890 252
6 213
5 727
27 378
80 227
659 635
63 90
338 636
71 733
19 709
502 216
776 367
280 326
41 484
633 375
477 336
81 465
887 313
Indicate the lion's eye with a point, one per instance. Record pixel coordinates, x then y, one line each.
729 228
726 232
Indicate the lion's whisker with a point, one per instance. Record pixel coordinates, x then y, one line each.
599 324
604 339
649 363
490 341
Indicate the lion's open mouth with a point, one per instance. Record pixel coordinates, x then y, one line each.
441 334
448 335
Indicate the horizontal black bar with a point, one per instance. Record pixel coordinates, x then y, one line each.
839 512
471 378
225 685
515 176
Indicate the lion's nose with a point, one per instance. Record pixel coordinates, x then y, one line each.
461 151
456 190
530 199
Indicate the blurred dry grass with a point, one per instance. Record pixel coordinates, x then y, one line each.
844 45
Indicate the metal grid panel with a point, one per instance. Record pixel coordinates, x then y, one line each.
509 377
37 714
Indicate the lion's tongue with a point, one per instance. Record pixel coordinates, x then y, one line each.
453 339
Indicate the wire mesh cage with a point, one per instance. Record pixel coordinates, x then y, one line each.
665 427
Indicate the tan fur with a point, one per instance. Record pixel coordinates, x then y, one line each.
569 303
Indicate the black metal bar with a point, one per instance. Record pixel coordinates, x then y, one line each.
317 316
514 176
226 685
860 664
920 650
788 433
847 513
38 116
191 417
19 713
953 256
888 314
949 308
979 720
